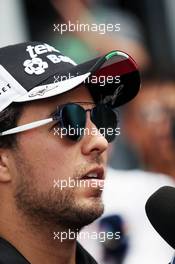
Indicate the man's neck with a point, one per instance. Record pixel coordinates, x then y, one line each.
38 245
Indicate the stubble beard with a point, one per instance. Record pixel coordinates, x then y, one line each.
54 208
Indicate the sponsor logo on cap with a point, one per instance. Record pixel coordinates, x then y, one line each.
4 88
36 65
41 91
112 98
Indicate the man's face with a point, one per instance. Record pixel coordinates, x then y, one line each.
42 159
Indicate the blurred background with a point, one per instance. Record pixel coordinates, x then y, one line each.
142 158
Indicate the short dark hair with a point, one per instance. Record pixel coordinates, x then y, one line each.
8 119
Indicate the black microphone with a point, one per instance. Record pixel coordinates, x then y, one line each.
160 210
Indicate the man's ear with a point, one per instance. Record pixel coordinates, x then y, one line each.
4 166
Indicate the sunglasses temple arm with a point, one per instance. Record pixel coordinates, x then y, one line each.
27 127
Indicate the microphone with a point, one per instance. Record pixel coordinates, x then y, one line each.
160 210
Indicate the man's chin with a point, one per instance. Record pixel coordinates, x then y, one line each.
83 214
91 209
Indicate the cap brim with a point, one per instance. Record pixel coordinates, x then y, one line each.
123 86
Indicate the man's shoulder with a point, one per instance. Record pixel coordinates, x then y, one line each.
9 254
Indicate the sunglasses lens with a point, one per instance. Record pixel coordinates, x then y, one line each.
74 120
105 120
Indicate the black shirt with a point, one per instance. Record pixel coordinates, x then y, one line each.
10 255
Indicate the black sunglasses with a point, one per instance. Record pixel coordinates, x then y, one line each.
72 117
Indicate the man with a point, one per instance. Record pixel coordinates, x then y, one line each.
44 143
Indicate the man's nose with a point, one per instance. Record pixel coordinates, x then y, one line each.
93 141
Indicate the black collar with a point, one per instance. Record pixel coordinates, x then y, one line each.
10 255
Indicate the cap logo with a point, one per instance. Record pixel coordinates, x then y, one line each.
36 65
4 88
112 98
9 88
41 91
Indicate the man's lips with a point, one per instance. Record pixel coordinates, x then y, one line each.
95 173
